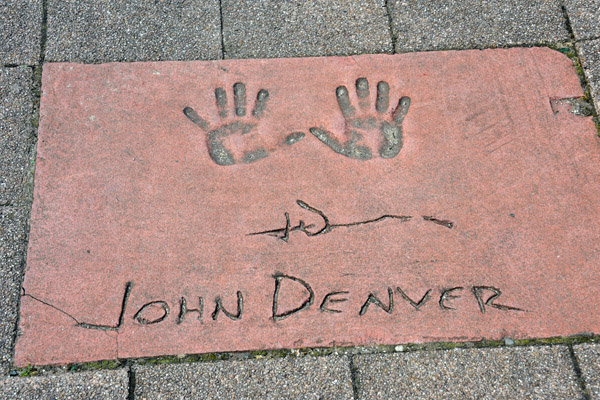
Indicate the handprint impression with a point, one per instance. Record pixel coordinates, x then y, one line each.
388 125
240 124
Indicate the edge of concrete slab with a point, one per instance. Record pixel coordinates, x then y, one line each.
33 370
567 48
212 360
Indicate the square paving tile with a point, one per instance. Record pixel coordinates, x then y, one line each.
434 25
20 31
103 31
495 373
92 385
272 28
286 378
585 18
16 136
250 204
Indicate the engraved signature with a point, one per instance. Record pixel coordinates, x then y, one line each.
311 230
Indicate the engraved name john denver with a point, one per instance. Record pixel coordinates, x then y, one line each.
384 301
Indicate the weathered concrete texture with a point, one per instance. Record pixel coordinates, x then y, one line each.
585 18
103 31
20 31
588 356
90 385
434 25
285 378
495 373
13 222
148 205
16 135
589 51
273 28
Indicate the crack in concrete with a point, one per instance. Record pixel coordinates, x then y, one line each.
107 331
24 294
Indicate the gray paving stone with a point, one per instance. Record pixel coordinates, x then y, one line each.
102 31
589 51
16 135
284 378
274 28
13 232
107 384
494 373
20 31
588 356
438 25
585 18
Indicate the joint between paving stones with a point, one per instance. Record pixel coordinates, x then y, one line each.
43 36
351 351
570 50
579 66
585 85
354 377
527 45
581 381
223 53
22 265
390 25
131 383
567 20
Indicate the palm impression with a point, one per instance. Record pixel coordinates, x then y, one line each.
364 122
239 124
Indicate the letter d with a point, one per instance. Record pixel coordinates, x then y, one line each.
307 303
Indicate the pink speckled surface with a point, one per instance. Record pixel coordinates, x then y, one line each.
125 191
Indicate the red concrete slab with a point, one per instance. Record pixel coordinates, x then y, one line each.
187 207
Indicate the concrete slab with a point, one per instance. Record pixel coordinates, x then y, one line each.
98 385
494 373
588 357
20 31
13 233
251 204
16 136
103 31
431 25
589 51
286 378
585 18
272 28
